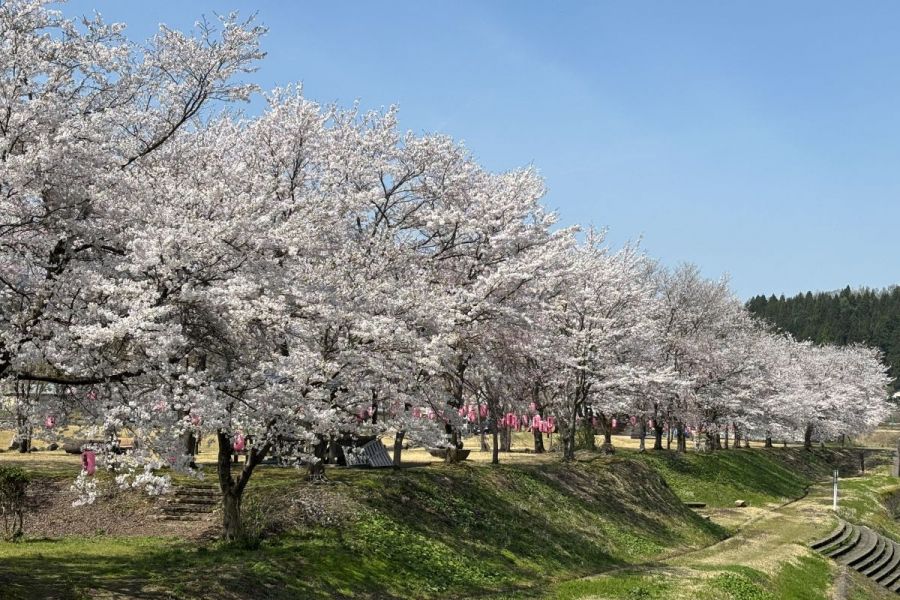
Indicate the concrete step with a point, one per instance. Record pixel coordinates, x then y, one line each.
891 578
196 491
887 552
868 541
831 537
846 545
841 540
176 509
891 570
195 500
182 518
886 569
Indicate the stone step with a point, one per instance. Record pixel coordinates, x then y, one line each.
887 552
194 500
886 572
181 491
879 556
847 545
841 540
868 541
193 517
831 537
174 509
891 578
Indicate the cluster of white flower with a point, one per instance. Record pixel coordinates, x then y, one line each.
285 283
86 487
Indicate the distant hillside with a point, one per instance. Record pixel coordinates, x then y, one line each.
866 316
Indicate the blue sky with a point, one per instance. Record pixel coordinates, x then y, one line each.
759 139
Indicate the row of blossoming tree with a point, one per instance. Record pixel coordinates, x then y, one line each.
170 268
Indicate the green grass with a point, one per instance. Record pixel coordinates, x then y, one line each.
517 530
630 585
437 532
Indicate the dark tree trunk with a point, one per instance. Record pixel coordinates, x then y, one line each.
506 439
737 438
232 523
657 435
717 442
807 437
726 438
398 447
495 451
233 490
484 444
567 434
538 441
681 439
587 432
768 443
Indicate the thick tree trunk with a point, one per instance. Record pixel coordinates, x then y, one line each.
455 444
232 524
737 438
233 490
538 441
807 437
768 443
607 447
681 439
398 447
506 439
717 442
726 438
657 436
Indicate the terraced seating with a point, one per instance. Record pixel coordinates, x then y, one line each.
860 548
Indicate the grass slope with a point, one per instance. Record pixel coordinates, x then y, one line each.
438 532
516 530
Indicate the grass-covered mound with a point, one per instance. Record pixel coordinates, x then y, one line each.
758 476
437 532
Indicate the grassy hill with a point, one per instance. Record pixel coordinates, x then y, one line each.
471 530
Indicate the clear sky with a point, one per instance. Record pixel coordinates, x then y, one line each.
759 139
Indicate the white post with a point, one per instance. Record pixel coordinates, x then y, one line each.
835 484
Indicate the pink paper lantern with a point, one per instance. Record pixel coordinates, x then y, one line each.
88 462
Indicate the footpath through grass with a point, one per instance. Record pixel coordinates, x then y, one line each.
766 557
